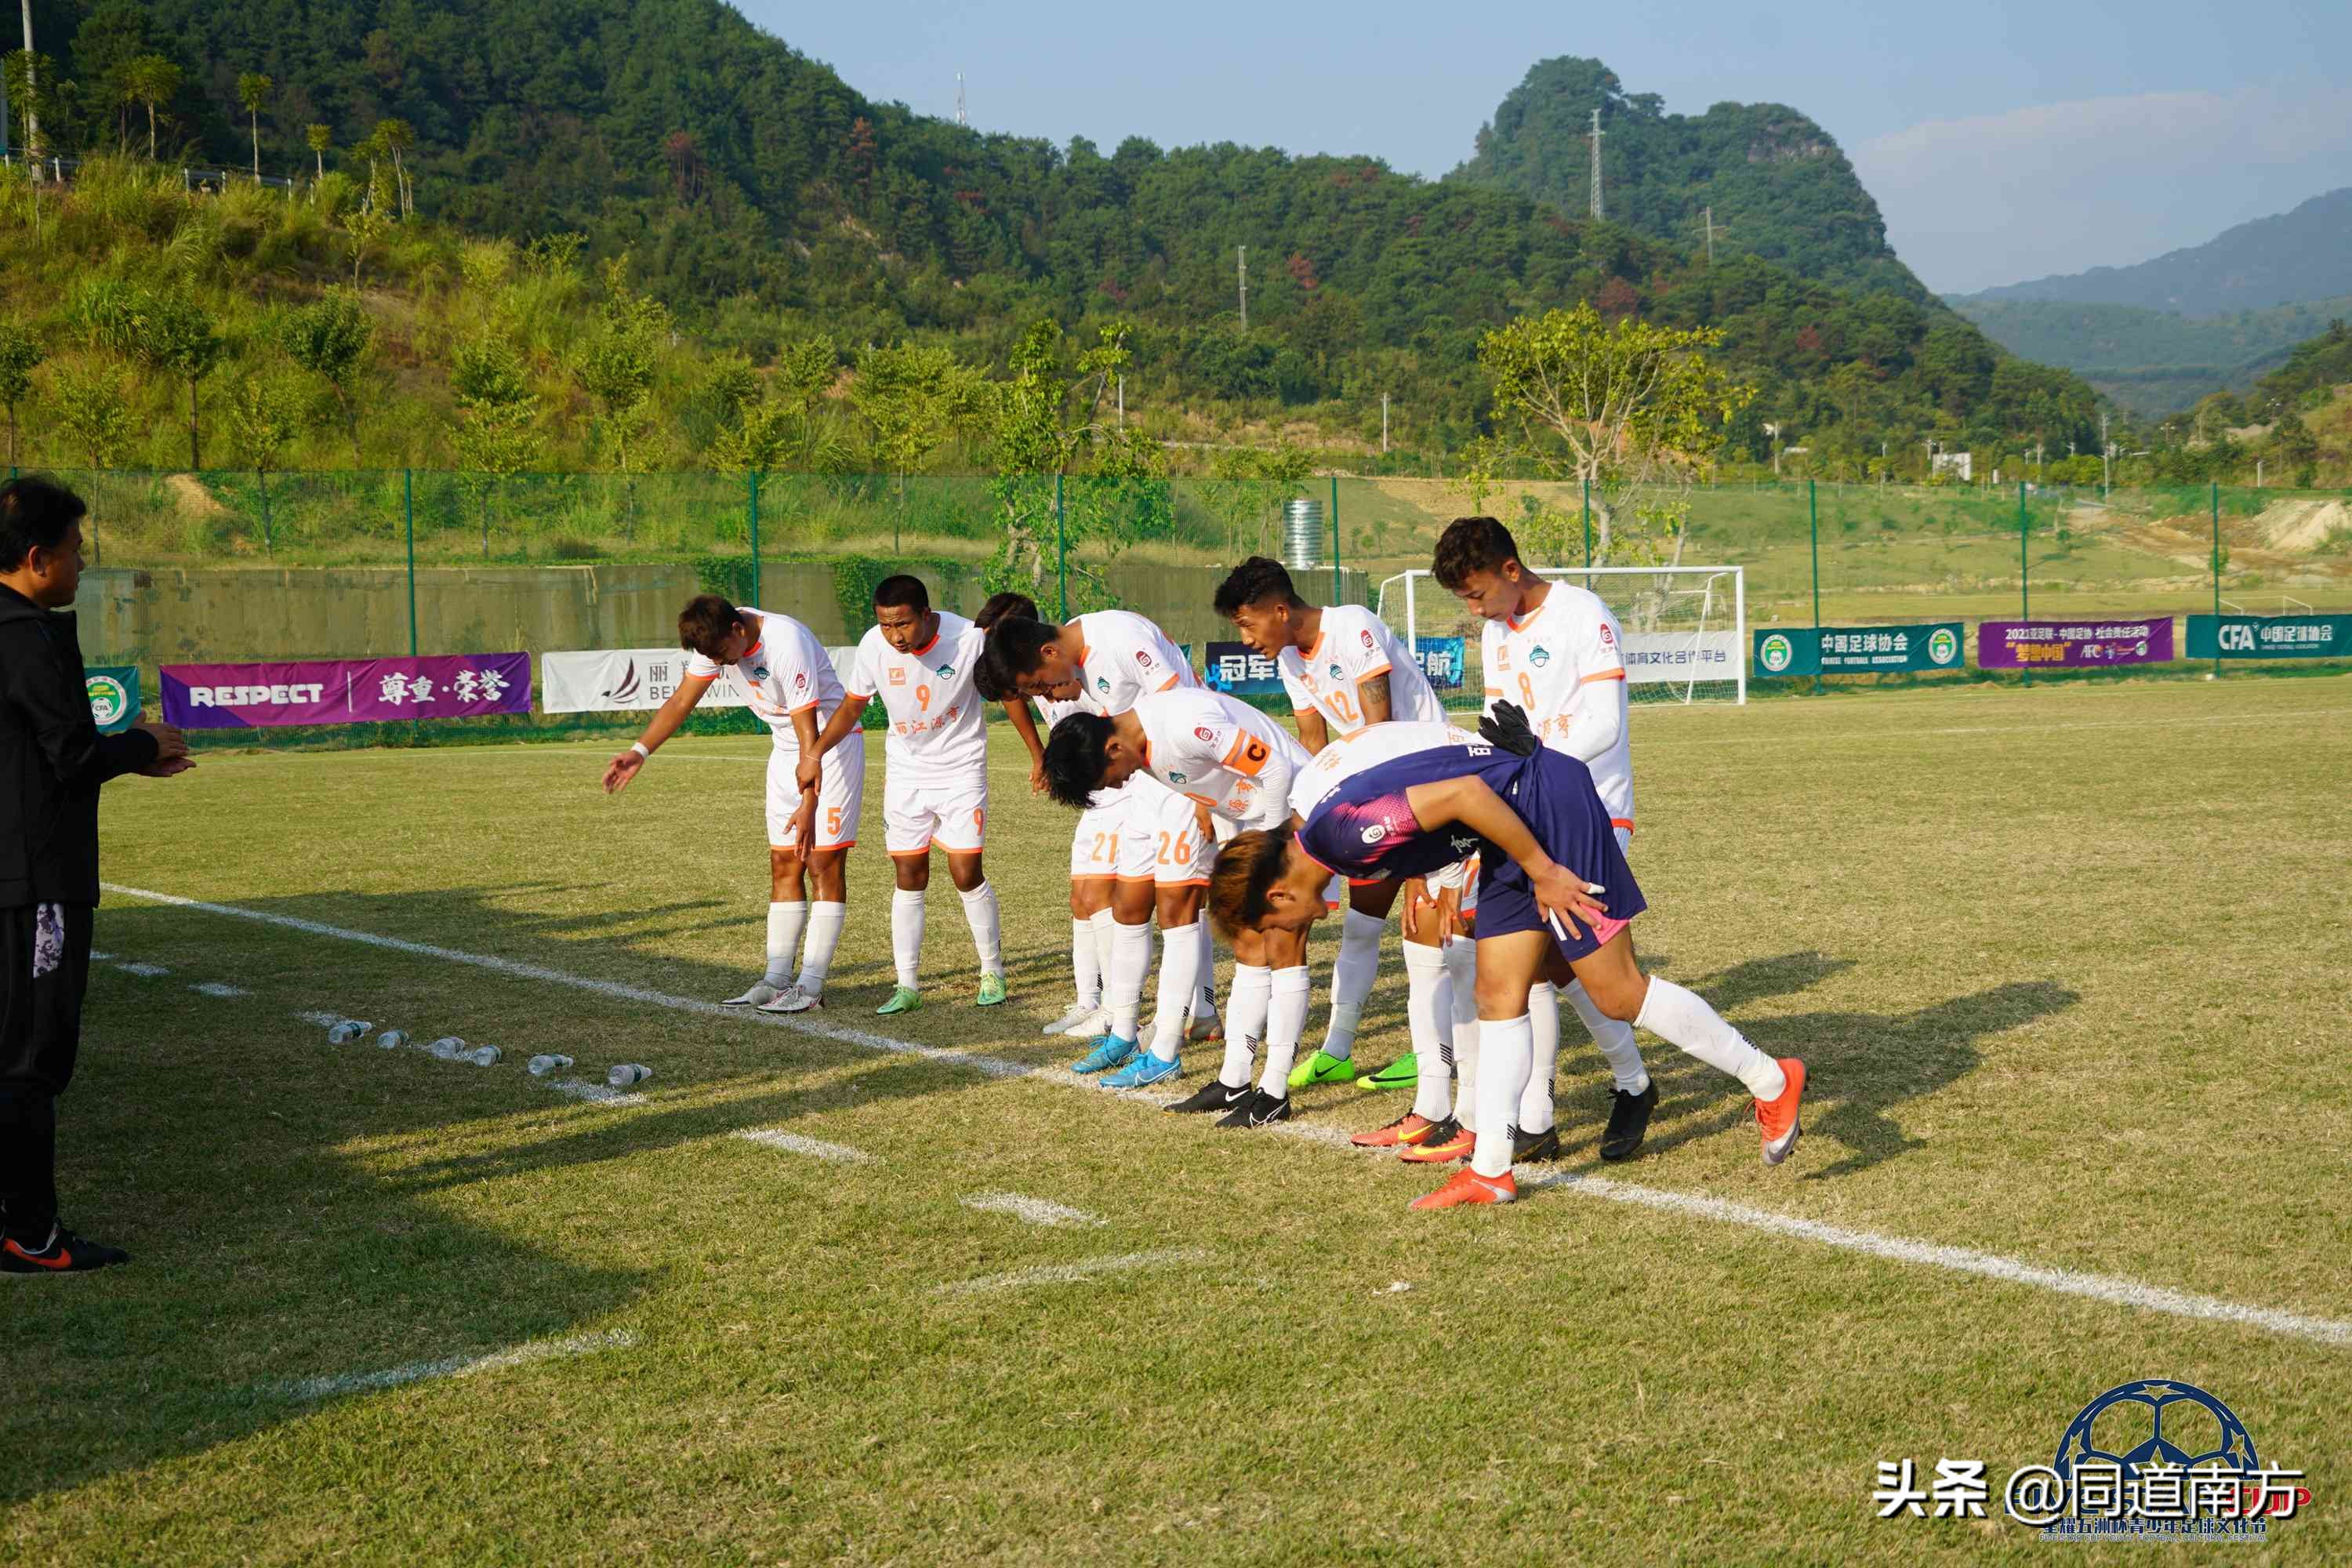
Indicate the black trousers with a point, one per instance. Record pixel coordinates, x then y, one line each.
40 1036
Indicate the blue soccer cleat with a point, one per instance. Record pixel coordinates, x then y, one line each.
1108 1052
1143 1071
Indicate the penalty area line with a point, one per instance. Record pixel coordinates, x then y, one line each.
311 1388
2112 1289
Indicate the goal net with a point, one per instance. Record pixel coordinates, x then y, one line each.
1685 630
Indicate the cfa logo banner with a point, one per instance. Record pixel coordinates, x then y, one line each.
2149 1460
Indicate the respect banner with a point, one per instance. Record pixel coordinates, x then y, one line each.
2073 645
2270 637
345 690
113 696
1860 651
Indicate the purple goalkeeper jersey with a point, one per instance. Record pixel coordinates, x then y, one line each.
1364 828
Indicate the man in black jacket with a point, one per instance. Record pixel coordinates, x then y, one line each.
52 760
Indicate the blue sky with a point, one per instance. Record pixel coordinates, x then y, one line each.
2018 140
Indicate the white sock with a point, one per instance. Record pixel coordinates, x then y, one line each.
1086 967
1130 955
1285 1020
1461 968
1179 970
785 922
907 933
1104 924
824 936
1682 1018
1615 1037
980 913
1429 1014
1506 1050
1543 1024
1353 973
1204 997
1245 1010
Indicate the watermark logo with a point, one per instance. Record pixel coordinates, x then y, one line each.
1776 653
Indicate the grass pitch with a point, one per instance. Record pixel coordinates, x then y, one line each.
2067 965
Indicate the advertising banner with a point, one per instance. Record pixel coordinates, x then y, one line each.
637 679
345 690
1234 668
2073 645
1443 660
1860 651
113 696
1655 657
2270 637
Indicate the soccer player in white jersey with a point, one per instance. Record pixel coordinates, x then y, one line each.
1107 659
1554 650
923 663
1344 668
1237 764
793 686
1094 847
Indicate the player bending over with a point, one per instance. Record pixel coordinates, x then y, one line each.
810 827
1556 651
935 772
1554 897
1107 660
1094 847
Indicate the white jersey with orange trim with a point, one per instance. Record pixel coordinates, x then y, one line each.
1122 656
1568 653
937 733
1354 645
785 671
1222 752
1369 747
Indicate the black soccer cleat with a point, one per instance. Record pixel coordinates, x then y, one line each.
1529 1147
65 1253
1629 1122
1260 1110
1213 1096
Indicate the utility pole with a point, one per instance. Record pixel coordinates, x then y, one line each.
2107 460
1598 215
961 119
32 119
1384 423
1243 268
1122 400
1707 216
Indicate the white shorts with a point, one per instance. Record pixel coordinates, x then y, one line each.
1163 840
840 794
917 813
1094 847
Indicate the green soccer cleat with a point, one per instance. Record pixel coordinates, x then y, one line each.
1402 1073
1323 1067
903 999
991 991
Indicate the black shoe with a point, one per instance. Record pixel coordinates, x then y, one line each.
66 1253
1533 1146
1629 1122
1260 1110
1214 1095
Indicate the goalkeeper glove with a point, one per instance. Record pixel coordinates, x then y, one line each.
1506 727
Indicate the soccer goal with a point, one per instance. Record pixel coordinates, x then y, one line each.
1685 630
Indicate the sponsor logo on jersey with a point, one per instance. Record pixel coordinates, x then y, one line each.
1376 832
1462 845
1174 777
1143 659
1335 672
800 679
946 670
1368 639
1204 733
897 675
759 672
1540 658
1102 683
1608 638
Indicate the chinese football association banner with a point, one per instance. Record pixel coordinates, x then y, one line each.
345 690
2270 637
1860 651
2073 645
113 696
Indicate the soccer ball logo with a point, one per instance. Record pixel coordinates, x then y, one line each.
2203 1431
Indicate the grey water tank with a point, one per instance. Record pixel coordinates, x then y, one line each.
1302 535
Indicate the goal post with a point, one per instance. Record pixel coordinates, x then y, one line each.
1685 630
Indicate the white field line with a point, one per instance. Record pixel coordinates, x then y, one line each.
2101 1286
144 970
1030 1211
814 1148
596 1093
310 1388
1071 1273
97 957
217 988
1865 738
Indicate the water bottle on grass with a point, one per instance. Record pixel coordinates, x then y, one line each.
350 1029
481 1056
629 1073
540 1066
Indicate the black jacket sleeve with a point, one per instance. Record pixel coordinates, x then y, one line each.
57 709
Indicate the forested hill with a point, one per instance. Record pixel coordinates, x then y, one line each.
765 198
1779 187
2294 258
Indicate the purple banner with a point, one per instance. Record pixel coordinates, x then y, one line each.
345 690
2073 645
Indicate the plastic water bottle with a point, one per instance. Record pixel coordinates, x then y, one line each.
543 1065
448 1047
481 1056
629 1073
393 1040
350 1029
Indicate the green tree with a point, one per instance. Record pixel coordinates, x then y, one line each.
495 432
320 137
252 90
618 366
28 75
176 337
330 339
913 397
152 80
265 415
396 137
1047 424
93 412
19 354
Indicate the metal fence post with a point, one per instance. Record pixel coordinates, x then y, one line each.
1335 539
1588 524
2217 573
1061 556
753 478
269 541
1813 522
408 521
2024 571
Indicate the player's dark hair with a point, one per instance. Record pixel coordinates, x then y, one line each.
1011 652
1472 544
1004 605
904 590
1255 579
35 513
703 624
1247 868
1075 763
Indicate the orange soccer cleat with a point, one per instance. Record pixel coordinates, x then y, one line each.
1777 1121
1406 1130
1447 1141
1470 1187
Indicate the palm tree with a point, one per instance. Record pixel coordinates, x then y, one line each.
152 80
252 90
